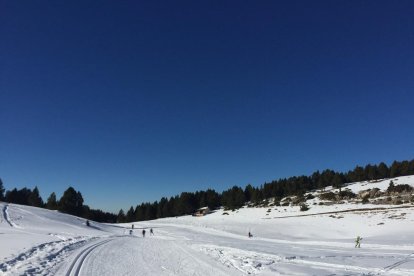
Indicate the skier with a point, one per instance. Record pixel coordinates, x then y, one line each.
151 232
143 233
132 226
358 242
87 223
250 235
130 231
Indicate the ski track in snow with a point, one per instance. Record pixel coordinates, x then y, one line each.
40 259
132 255
6 215
77 263
409 258
256 263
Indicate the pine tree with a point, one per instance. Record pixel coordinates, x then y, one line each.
160 210
149 211
248 192
337 181
167 209
186 204
71 202
233 198
383 171
121 217
130 215
358 174
51 202
35 199
18 196
370 172
212 199
257 196
395 169
404 168
411 167
1 190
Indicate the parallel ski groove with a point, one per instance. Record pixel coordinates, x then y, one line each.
80 258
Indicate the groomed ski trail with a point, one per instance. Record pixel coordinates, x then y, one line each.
134 255
76 266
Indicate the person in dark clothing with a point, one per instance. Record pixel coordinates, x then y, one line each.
151 232
358 242
250 235
143 233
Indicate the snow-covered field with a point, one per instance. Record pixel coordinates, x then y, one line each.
286 241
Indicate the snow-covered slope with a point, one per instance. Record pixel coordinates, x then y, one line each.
286 241
31 235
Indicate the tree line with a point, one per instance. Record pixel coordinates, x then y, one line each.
187 203
71 203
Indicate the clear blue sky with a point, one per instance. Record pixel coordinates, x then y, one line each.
128 102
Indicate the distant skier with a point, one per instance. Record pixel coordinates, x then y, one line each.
358 242
132 226
143 233
151 232
250 235
130 231
87 223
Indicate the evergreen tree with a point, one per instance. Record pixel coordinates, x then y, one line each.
130 215
411 167
71 202
1 190
315 179
150 211
248 192
395 169
167 208
370 172
358 174
18 196
257 195
140 212
186 204
337 181
404 168
324 180
35 199
233 198
11 196
212 199
161 206
383 171
121 217
52 202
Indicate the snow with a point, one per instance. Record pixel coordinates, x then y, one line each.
286 241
